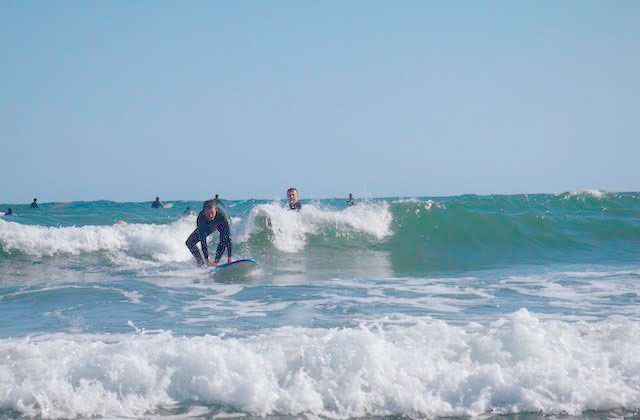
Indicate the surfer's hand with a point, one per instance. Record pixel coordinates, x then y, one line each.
210 262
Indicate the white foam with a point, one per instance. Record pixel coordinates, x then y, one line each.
518 364
291 229
159 242
585 193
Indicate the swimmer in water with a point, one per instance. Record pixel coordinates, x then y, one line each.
35 205
157 204
218 202
351 201
294 199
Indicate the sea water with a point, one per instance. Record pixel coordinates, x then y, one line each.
419 307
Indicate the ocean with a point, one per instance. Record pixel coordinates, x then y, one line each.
518 305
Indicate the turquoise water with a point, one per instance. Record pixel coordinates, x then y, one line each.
439 306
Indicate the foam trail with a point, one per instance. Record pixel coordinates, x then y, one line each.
518 364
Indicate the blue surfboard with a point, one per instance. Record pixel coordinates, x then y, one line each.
238 268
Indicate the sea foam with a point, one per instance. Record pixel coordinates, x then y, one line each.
292 229
428 368
159 242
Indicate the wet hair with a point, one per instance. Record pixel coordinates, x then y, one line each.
291 190
157 198
208 204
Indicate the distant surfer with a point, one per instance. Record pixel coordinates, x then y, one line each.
351 201
294 199
218 202
9 212
35 205
157 204
211 218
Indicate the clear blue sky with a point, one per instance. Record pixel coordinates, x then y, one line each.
127 100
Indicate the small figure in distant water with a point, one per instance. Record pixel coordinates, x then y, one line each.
210 218
9 212
157 204
187 210
35 205
351 201
294 200
217 201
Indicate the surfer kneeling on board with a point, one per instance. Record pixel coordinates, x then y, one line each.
294 200
210 219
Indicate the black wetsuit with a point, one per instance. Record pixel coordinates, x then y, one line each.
156 204
295 206
204 229
351 202
34 205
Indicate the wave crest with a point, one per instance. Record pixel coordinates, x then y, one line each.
290 230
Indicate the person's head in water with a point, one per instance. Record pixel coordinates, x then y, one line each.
209 209
292 195
157 199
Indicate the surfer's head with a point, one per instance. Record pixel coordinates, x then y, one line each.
292 195
209 209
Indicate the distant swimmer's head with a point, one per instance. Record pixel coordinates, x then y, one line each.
216 196
209 209
292 195
157 198
35 200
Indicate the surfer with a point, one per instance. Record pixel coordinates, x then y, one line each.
218 202
9 212
157 204
35 205
210 219
351 201
294 200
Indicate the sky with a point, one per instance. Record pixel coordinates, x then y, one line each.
127 100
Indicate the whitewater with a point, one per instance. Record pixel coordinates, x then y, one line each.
409 306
